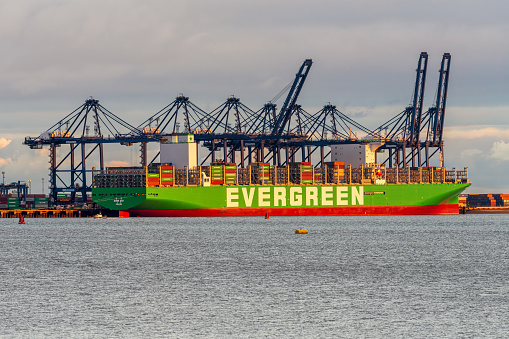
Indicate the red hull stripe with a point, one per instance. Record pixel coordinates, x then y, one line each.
300 211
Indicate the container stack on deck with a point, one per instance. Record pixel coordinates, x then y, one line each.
301 173
260 173
230 174
336 172
306 173
216 174
152 176
167 175
156 173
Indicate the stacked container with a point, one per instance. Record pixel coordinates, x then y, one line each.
462 200
40 201
301 172
167 175
318 177
335 172
294 172
281 175
124 170
13 203
230 174
216 174
487 200
260 172
121 177
63 197
3 202
306 173
153 178
36 201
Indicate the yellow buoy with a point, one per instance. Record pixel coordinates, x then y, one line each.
301 231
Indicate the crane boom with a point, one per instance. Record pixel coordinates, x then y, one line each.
291 99
420 82
439 116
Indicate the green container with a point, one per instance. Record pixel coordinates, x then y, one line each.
152 175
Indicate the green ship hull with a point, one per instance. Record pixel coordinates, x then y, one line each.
282 200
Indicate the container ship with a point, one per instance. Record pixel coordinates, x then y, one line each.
297 189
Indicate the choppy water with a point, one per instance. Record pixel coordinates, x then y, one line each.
375 277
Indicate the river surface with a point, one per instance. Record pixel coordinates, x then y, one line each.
350 277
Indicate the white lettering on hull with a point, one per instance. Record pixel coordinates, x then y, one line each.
327 196
279 196
358 195
295 196
248 197
311 196
342 196
264 196
232 193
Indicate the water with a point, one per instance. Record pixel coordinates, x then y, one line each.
376 277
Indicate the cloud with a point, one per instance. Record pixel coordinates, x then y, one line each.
471 153
500 151
4 162
4 142
477 133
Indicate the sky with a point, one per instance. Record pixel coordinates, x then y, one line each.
137 56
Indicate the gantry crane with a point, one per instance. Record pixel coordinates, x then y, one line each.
74 131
